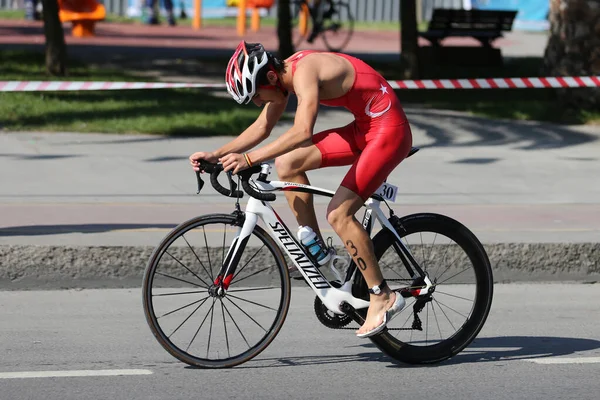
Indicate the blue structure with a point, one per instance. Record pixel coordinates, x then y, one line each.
532 16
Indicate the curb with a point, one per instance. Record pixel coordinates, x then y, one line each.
51 267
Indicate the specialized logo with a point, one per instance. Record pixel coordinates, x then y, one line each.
380 113
299 258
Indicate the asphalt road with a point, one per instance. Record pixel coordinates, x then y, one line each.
541 341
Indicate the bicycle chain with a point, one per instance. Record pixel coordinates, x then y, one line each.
341 321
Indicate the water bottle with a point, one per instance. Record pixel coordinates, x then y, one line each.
313 244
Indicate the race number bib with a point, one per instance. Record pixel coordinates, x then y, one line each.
387 191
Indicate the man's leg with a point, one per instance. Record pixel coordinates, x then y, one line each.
333 147
340 214
292 167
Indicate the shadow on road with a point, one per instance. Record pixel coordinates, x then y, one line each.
495 349
516 348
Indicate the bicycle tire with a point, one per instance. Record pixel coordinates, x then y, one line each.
340 14
463 237
151 273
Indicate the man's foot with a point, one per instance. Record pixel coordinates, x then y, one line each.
380 313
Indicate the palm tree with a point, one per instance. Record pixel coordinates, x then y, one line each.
574 49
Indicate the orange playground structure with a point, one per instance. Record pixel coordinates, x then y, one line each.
83 14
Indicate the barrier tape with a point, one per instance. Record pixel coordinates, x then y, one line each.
484 83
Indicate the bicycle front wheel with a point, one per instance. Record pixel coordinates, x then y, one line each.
338 26
195 323
438 325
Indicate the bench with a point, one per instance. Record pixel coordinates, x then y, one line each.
483 25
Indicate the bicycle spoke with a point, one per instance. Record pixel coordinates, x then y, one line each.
178 293
252 302
198 258
248 262
449 266
437 322
423 251
252 289
453 295
200 327
212 314
458 273
439 303
184 266
246 277
181 308
225 328
181 280
212 278
189 316
253 320
236 325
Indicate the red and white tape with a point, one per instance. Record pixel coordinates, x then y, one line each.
484 83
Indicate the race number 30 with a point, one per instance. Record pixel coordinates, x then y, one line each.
388 191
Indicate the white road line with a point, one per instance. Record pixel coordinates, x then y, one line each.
564 360
75 373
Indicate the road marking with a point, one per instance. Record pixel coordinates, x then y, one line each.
75 373
564 360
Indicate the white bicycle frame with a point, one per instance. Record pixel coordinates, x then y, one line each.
331 297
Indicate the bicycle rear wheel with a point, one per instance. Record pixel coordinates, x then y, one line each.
189 318
338 26
435 326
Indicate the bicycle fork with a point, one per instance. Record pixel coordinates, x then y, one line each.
234 253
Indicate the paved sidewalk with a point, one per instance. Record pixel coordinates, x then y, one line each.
508 181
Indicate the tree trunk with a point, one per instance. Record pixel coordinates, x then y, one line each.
574 49
56 50
409 55
284 29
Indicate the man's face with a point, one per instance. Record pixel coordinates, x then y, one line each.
267 95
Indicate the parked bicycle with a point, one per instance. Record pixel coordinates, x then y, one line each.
331 20
216 290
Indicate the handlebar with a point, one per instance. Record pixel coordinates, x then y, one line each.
216 169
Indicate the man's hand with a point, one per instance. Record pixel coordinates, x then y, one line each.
234 162
201 155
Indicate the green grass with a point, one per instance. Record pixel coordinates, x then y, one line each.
196 112
166 111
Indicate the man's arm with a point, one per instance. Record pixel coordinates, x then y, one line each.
306 87
255 133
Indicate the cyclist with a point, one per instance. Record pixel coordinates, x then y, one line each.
374 144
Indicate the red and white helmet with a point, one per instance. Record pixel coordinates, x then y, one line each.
243 69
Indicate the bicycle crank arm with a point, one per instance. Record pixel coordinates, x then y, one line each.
352 313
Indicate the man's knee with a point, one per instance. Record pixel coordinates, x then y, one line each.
336 216
288 165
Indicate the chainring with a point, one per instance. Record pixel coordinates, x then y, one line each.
328 318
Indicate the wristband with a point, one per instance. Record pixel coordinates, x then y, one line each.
247 160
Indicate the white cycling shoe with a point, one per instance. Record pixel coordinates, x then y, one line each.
394 310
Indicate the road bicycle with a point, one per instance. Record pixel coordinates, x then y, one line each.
330 19
216 290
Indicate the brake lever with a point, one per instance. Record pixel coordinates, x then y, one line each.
200 182
232 184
